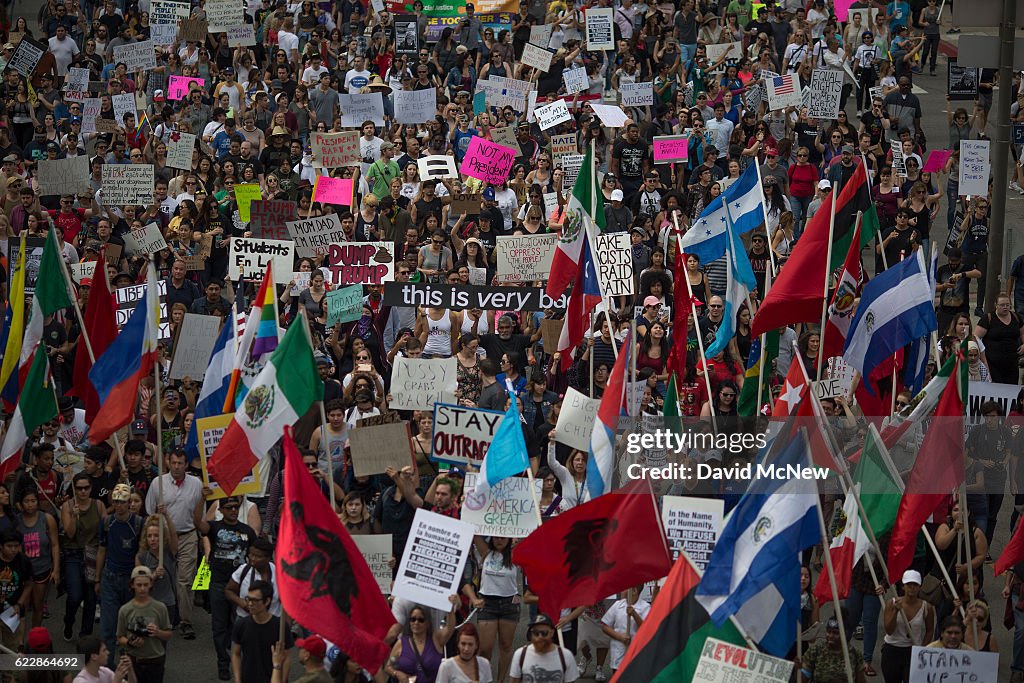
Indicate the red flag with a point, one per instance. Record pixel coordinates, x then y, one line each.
682 302
1013 553
792 390
322 577
101 327
595 550
938 470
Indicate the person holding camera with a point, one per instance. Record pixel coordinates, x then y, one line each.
143 628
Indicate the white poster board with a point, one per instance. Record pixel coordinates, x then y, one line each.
525 258
600 28
415 106
974 167
194 346
435 556
376 550
614 263
722 662
146 240
462 434
610 115
576 421
249 256
783 92
314 236
361 107
507 509
575 80
938 665
537 57
692 525
637 94
179 150
550 115
419 383
826 90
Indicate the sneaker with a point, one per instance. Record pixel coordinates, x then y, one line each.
187 632
46 610
1015 186
979 312
988 559
223 674
932 72
582 663
602 674
953 30
68 632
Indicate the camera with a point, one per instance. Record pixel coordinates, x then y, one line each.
137 627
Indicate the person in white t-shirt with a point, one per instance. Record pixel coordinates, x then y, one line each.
95 652
542 659
311 75
357 76
287 41
621 622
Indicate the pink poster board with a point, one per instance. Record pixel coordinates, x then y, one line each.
333 191
177 87
488 161
937 159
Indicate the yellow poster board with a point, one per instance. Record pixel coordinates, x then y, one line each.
211 431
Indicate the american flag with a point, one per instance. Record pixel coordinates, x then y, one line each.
784 85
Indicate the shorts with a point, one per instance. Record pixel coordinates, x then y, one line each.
43 577
499 609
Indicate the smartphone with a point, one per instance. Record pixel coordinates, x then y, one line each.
364 367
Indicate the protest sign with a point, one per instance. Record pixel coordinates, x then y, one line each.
90 114
168 11
64 176
360 263
223 14
463 203
249 256
575 80
826 89
550 115
194 346
469 296
600 28
576 420
936 161
540 35
505 136
406 35
962 81
692 525
434 559
669 149
26 55
313 236
125 298
331 150
163 34
204 575
614 264
722 662
436 167
525 258
571 165
783 92
178 86
941 665
245 195
899 166
210 431
376 550
716 50
146 240
637 94
268 217
103 125
610 115
137 56
550 331
461 434
300 280
974 167
76 84
344 305
179 150
477 276
508 509
127 184
375 449
122 105
828 388
415 106
361 107
419 383
333 191
242 35
979 393
487 161
14 37
562 145
79 271
33 257
537 57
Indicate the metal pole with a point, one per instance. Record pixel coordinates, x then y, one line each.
828 275
1000 150
686 333
327 450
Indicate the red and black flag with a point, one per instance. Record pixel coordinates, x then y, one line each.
101 326
668 644
324 581
596 549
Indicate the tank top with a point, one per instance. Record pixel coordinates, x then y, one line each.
483 328
86 529
909 633
36 544
424 666
439 335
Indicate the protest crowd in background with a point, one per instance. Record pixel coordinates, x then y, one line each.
406 280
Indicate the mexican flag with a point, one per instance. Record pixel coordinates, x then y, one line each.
586 206
37 405
281 394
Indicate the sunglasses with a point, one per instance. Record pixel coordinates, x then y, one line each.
417 620
83 488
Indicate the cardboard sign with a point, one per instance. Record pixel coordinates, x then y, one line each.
540 35
935 664
223 14
600 28
194 346
899 166
550 331
671 149
692 525
470 296
434 559
576 421
33 257
783 91
505 136
146 240
463 203
390 417
179 150
245 195
81 271
137 56
125 298
333 150
242 35
722 662
103 125
562 145
614 264
537 57
419 383
376 549
127 184
163 34
314 236
525 258
375 449
168 11
575 80
415 106
508 509
344 305
637 94
76 84
826 91
64 176
211 431
436 167
178 86
361 107
248 257
462 435
488 161
550 115
974 167
268 218
26 55
716 50
962 81
360 263
122 105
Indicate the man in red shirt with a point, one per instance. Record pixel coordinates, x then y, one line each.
69 219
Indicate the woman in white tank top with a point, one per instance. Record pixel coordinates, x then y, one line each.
908 621
483 327
434 328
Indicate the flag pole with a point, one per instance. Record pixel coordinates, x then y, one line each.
828 273
330 464
764 350
968 555
540 521
764 211
696 327
159 418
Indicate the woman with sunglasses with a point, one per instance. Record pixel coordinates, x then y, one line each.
418 653
80 517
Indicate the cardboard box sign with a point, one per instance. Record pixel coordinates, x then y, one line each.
468 204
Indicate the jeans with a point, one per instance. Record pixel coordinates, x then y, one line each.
995 501
149 670
222 614
81 593
114 592
864 608
930 53
799 206
978 260
896 663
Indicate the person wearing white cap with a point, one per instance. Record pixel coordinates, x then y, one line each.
908 621
824 187
617 216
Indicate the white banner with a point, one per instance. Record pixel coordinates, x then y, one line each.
507 509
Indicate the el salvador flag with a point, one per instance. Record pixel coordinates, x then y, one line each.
754 570
740 280
895 310
215 385
506 457
706 238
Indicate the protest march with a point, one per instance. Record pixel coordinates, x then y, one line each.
509 342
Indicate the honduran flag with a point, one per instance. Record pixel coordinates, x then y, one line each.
601 462
127 360
215 384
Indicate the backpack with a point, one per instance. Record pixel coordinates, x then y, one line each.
561 657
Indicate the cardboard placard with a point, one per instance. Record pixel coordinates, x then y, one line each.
211 431
243 35
64 176
26 55
611 116
123 104
507 509
506 136
463 203
550 331
525 258
562 145
637 94
375 449
537 57
390 417
168 11
576 420
268 218
103 125
361 107
462 434
826 92
722 662
127 184
146 240
974 167
360 263
434 560
333 150
419 383
575 80
376 549
248 257
314 236
194 346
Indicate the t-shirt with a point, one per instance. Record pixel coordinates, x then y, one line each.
544 668
105 676
228 545
256 641
631 158
14 576
154 612
318 676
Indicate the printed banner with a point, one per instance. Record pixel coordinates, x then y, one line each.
692 525
434 559
460 297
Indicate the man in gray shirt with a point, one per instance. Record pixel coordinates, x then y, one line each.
324 100
469 31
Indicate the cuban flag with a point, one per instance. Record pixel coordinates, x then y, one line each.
601 461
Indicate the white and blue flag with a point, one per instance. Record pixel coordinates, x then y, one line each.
215 384
706 238
739 281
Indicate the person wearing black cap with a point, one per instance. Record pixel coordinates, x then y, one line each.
542 659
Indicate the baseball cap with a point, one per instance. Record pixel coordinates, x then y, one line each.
824 185
847 148
912 576
314 645
541 620
142 572
771 152
39 640
158 95
489 194
616 195
652 301
121 493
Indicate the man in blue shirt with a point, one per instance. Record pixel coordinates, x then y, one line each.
119 541
899 14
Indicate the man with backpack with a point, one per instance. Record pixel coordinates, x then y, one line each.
542 659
